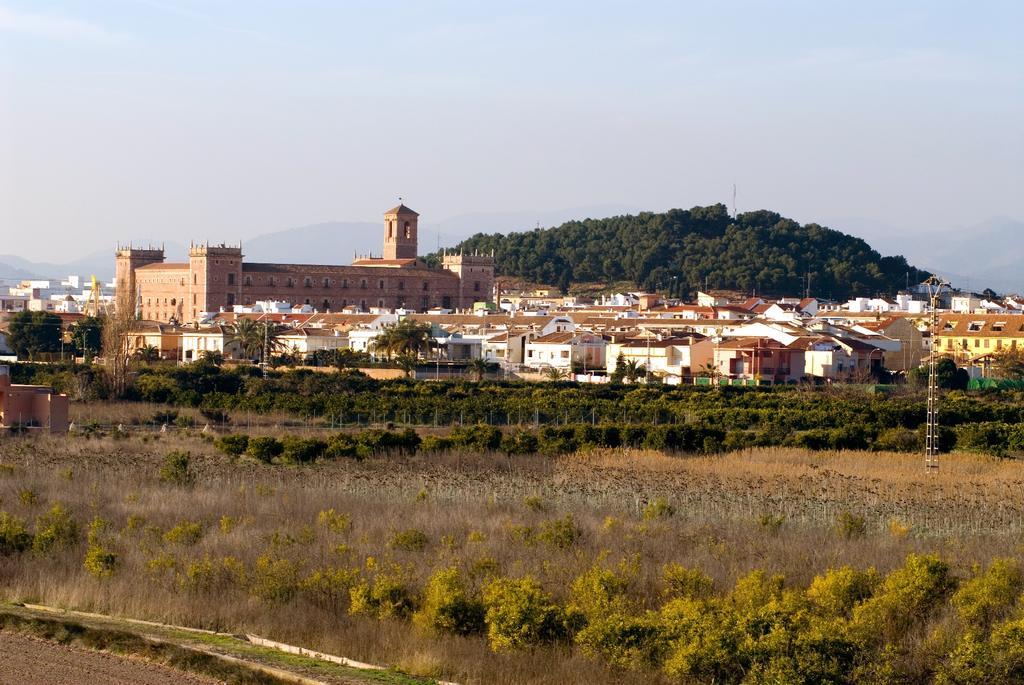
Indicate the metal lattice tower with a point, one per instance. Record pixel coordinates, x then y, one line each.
931 440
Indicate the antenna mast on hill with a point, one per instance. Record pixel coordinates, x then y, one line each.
931 441
734 199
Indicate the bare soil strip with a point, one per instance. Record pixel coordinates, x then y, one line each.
241 661
27 660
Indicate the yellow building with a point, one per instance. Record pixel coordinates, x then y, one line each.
968 337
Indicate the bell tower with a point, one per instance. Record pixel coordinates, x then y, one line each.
400 233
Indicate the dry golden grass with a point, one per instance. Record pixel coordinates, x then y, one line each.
468 506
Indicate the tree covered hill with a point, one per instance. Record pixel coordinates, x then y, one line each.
760 252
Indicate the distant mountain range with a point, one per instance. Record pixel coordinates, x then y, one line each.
986 255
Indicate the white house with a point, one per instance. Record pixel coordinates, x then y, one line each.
666 357
563 350
305 341
195 342
834 357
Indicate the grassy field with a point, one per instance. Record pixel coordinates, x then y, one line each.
342 556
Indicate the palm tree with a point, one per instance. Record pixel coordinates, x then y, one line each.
212 357
256 338
407 337
553 374
632 370
248 335
479 367
710 370
147 353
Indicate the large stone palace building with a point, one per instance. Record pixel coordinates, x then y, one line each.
217 277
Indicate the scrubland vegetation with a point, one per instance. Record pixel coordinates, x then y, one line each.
486 565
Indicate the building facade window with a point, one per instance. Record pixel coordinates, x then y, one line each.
307 282
231 279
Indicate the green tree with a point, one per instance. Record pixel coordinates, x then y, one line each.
33 333
1009 363
479 368
553 374
407 363
87 336
407 337
147 353
247 334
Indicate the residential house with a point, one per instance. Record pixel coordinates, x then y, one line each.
839 358
164 338
566 350
665 357
306 340
756 360
971 337
217 339
906 332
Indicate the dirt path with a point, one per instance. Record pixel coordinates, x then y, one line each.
27 660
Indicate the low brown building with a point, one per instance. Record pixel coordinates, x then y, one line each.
33 407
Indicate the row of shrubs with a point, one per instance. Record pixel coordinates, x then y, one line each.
994 438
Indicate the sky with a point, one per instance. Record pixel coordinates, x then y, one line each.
222 120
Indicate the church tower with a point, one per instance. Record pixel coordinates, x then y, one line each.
400 233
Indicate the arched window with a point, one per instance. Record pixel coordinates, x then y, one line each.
380 284
362 284
408 231
401 285
327 305
308 282
248 281
327 283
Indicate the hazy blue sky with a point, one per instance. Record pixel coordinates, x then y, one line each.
215 119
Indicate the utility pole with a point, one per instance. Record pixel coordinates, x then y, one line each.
931 445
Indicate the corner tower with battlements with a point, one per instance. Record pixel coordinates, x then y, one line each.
476 276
